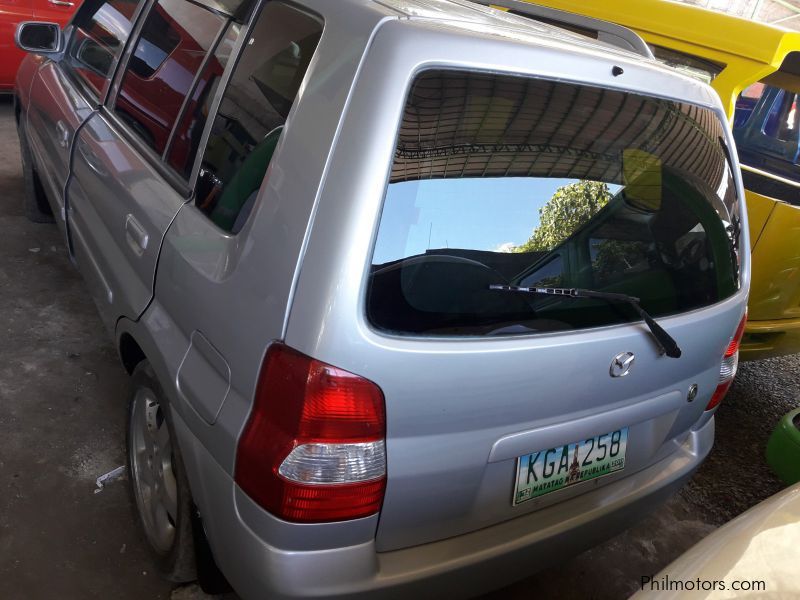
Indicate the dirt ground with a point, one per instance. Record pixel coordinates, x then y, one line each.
62 411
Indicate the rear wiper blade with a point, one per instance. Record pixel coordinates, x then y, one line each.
666 343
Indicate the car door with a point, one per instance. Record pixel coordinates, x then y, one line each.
12 12
123 192
55 11
66 90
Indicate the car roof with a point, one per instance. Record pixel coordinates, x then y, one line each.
474 19
465 14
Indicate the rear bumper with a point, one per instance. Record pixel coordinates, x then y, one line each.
767 339
462 566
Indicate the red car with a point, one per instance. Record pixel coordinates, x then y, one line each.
16 11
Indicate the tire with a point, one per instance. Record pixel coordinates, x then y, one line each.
37 209
157 479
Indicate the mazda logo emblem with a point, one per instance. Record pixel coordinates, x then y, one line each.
622 364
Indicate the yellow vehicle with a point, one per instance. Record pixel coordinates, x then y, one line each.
755 68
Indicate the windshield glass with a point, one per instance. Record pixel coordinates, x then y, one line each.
508 180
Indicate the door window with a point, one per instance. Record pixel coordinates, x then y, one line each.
252 112
782 120
100 30
766 127
746 103
175 39
186 138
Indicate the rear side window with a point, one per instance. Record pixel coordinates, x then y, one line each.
100 30
175 39
252 113
528 182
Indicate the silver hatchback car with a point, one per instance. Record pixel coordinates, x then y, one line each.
417 296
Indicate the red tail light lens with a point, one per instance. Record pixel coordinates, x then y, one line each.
730 363
313 449
719 394
736 340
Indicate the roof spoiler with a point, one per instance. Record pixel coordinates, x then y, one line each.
611 33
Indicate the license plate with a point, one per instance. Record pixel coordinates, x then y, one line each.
554 469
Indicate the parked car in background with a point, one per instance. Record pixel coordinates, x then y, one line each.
755 68
13 12
370 357
754 555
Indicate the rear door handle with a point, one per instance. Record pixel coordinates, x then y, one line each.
136 234
61 3
63 134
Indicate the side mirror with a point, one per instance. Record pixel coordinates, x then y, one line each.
38 37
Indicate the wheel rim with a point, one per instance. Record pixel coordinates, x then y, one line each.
152 469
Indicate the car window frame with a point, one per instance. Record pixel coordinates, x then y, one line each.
252 19
195 80
158 161
93 99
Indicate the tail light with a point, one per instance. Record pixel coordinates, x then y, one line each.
313 449
730 362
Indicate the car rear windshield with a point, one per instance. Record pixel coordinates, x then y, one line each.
521 181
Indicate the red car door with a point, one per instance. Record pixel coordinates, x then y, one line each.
55 11
11 13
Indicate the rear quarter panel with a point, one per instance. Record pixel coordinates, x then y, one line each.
236 289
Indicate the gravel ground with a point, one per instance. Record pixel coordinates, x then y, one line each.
62 397
735 475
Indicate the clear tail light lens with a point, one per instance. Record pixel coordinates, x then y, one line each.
326 463
313 449
729 366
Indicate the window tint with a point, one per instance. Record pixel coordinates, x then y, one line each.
783 118
766 127
100 30
157 42
746 103
187 136
549 274
615 259
175 39
518 181
252 112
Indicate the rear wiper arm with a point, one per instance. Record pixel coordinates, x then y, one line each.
666 343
